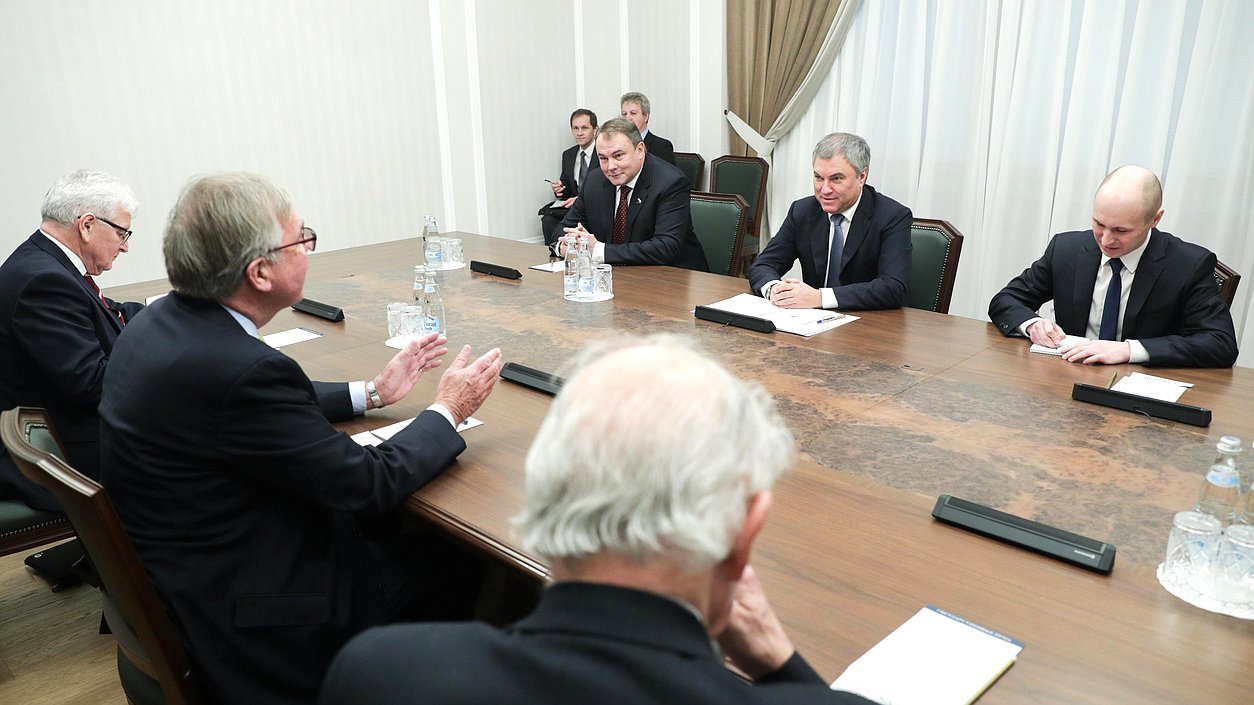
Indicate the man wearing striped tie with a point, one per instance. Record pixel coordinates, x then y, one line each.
1137 294
576 162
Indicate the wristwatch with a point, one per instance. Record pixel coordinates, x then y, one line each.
373 393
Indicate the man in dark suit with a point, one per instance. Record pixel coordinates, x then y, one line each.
242 500
576 163
56 329
635 209
1138 294
649 548
635 107
853 243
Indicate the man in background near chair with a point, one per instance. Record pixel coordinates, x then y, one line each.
852 241
56 329
636 207
649 548
635 107
1164 310
576 163
245 505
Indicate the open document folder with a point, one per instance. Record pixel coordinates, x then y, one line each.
934 658
799 321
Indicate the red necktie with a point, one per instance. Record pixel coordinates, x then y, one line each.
620 217
92 283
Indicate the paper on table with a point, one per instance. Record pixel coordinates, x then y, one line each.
798 321
934 658
148 301
1144 385
290 336
550 266
1069 340
366 438
390 430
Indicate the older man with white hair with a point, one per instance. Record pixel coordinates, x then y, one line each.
649 545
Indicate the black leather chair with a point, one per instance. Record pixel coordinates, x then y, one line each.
934 264
745 177
23 528
1227 279
693 166
152 664
719 220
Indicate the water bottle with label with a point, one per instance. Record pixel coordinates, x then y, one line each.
585 272
570 278
420 284
433 319
1220 495
434 249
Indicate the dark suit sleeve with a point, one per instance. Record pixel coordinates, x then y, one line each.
891 283
1020 299
671 222
50 316
664 150
1207 338
568 175
777 257
271 430
129 309
335 400
574 215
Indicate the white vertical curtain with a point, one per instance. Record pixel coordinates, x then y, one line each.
1002 117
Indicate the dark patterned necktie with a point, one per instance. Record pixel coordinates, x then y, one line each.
1110 311
620 216
583 168
92 283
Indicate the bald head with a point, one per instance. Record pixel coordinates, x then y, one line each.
1127 205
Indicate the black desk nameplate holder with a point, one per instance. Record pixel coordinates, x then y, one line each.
1170 410
531 377
1032 535
494 269
319 309
739 320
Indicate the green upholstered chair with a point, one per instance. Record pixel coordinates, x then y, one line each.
745 177
693 166
153 665
22 527
934 264
1227 279
719 220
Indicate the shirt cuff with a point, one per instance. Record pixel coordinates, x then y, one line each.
829 298
1023 327
598 253
1138 353
443 411
357 392
766 288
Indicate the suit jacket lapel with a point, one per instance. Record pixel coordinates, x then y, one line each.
818 225
1147 272
860 226
44 244
1086 264
635 200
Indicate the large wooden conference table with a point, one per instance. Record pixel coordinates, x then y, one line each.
889 411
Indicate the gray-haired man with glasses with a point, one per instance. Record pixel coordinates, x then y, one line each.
56 329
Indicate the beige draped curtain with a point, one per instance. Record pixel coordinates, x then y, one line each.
772 46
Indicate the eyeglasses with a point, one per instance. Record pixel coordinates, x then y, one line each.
123 233
308 238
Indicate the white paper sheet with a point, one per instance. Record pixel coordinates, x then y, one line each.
934 658
798 321
1151 386
290 336
382 434
550 266
1067 341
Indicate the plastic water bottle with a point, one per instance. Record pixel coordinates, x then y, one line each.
432 247
1220 495
584 266
433 315
570 278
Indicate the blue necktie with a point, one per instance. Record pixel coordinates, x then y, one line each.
836 251
1110 311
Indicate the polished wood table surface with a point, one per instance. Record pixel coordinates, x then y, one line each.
889 411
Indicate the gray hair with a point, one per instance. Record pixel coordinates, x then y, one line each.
637 98
651 450
87 191
219 224
852 147
621 126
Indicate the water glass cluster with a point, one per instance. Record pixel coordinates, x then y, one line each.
1210 552
582 280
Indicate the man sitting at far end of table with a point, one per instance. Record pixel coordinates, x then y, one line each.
635 208
1165 309
649 547
256 519
853 242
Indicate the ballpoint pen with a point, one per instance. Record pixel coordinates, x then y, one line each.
829 319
